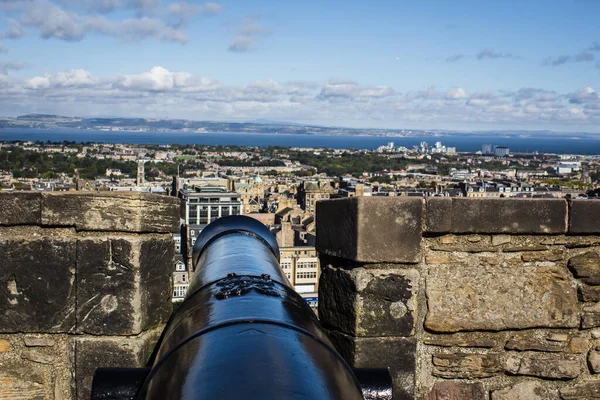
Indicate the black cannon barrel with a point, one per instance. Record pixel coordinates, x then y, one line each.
242 331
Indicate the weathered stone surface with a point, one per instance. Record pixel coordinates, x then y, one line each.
36 285
19 381
533 256
584 216
586 391
124 284
120 212
578 345
156 269
549 367
526 390
586 267
448 239
106 286
498 240
466 365
396 354
20 208
474 238
37 356
558 337
456 391
438 215
4 346
474 298
524 248
93 352
443 258
368 302
489 215
581 244
520 344
465 249
38 342
590 319
353 228
594 360
589 293
458 342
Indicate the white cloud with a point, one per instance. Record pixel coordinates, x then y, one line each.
247 35
14 31
136 29
73 19
185 95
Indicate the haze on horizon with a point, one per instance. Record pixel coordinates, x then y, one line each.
469 65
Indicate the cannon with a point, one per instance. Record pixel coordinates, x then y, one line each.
242 332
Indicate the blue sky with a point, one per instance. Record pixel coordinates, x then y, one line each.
391 64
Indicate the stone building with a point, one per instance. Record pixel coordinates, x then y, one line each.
309 192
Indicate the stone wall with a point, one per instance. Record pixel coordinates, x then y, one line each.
479 299
84 283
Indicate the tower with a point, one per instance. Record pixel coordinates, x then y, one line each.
140 173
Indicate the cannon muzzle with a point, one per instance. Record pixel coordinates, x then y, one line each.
242 331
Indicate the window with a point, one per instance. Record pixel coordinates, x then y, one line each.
180 290
179 266
203 215
306 275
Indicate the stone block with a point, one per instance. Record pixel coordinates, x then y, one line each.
396 354
489 215
156 270
457 391
439 215
590 319
578 345
124 284
107 275
586 267
460 342
584 216
491 298
584 391
37 292
20 208
589 293
4 346
526 390
520 344
547 367
38 341
466 365
594 360
105 352
371 229
37 356
21 380
498 240
369 302
541 256
117 212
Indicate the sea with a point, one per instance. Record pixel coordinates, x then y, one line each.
567 144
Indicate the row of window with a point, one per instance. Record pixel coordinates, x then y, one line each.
307 265
306 275
180 290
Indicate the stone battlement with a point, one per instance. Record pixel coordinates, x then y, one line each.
85 282
465 298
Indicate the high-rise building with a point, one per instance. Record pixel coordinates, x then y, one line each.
501 151
486 149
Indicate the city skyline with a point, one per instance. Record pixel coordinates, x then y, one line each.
433 65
